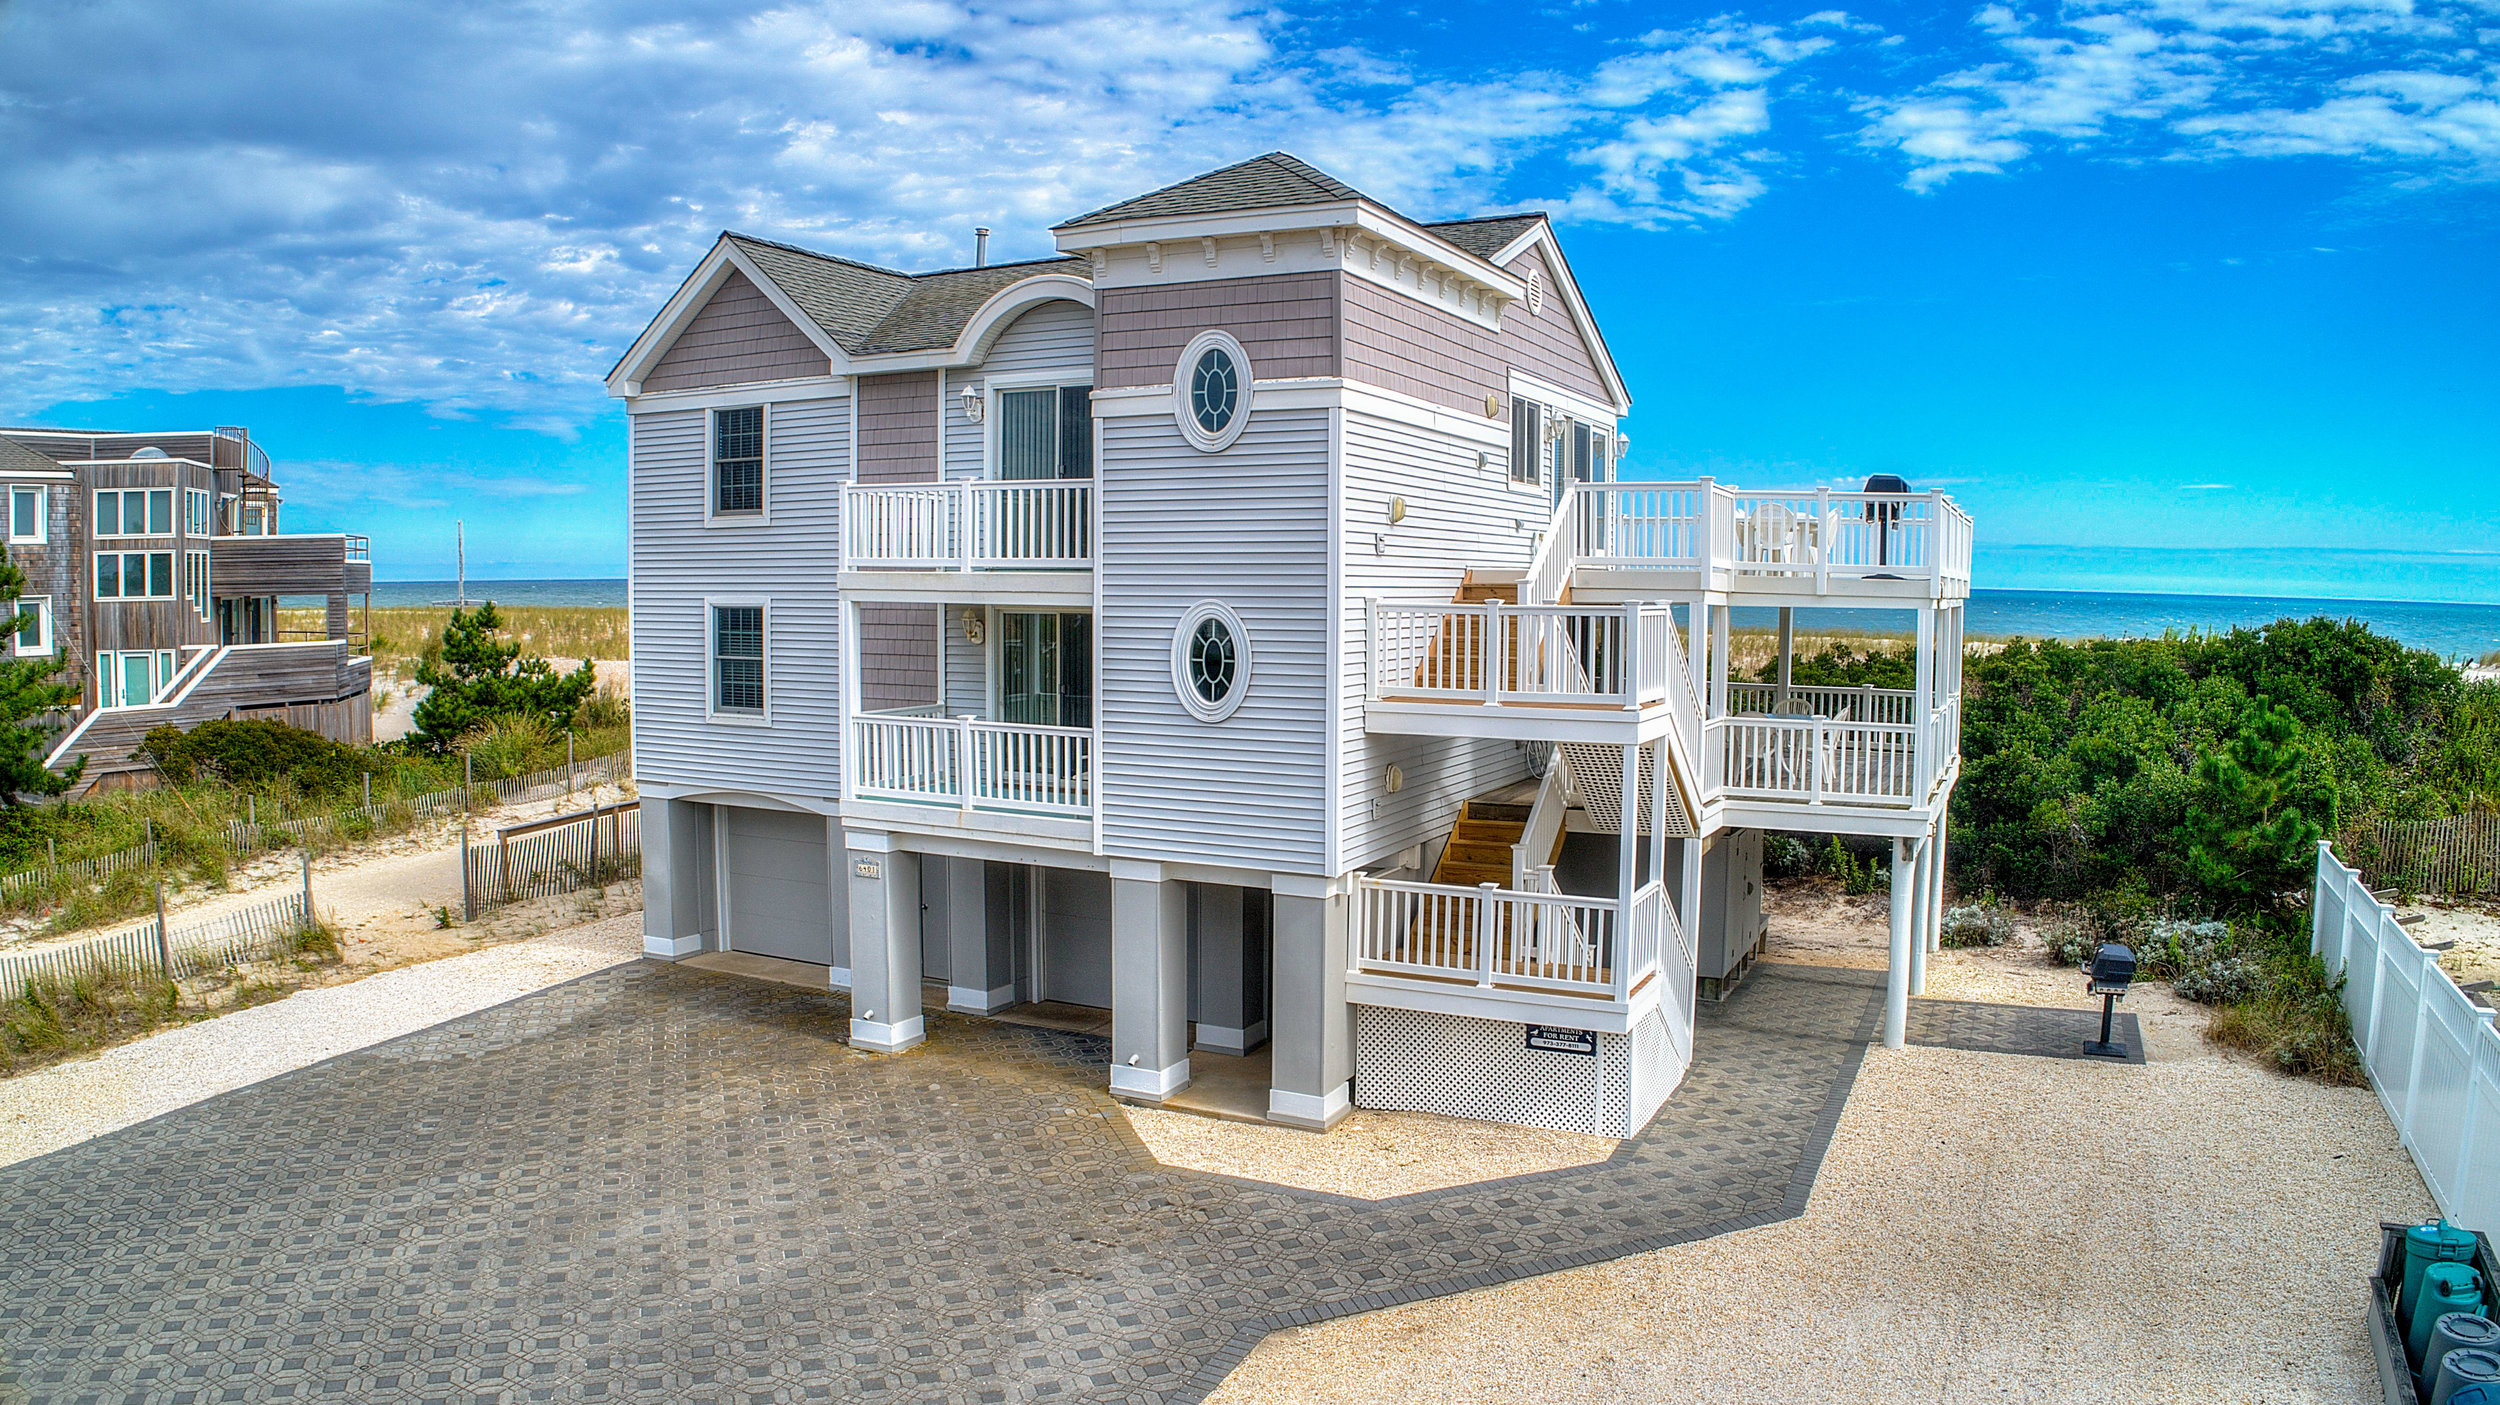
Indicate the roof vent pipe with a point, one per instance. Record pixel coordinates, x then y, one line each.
981 246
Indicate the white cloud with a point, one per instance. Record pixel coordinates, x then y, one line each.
2149 79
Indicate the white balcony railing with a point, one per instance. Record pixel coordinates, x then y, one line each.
1837 760
965 764
1624 656
1509 939
1862 704
969 525
1816 533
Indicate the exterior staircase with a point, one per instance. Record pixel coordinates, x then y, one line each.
1480 844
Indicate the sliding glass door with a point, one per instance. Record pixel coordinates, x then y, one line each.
1046 669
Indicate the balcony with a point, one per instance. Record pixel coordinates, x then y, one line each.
1914 545
1533 672
971 540
963 772
1498 953
291 563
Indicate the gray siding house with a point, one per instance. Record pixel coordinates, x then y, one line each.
1235 626
155 566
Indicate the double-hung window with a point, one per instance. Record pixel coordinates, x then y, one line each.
195 504
1046 432
738 660
1527 441
738 462
134 512
34 632
28 522
195 581
134 575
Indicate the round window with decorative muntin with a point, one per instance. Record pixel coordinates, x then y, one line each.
1211 385
1210 661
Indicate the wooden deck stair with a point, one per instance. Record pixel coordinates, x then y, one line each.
1480 844
1455 658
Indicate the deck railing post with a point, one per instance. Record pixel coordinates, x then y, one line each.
1370 611
1705 511
1935 535
963 761
1490 651
1823 534
960 515
1485 927
1631 655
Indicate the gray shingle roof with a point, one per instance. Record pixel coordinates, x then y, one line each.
1259 183
17 458
1486 236
866 309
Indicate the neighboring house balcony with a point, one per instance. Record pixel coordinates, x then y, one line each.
332 565
919 767
983 540
1655 538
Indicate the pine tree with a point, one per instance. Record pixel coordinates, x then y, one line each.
482 677
32 702
2255 830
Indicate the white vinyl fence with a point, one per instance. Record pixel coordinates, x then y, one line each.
2430 1051
263 930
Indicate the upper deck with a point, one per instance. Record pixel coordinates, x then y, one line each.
1633 540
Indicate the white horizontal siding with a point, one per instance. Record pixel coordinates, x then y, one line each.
1458 516
1055 339
967 664
1249 527
676 561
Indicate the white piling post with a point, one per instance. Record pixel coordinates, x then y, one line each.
1897 973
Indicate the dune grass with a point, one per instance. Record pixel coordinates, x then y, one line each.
402 634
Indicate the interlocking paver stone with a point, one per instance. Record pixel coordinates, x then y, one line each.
656 1183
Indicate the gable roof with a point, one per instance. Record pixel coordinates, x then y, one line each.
1262 182
18 458
1486 235
865 309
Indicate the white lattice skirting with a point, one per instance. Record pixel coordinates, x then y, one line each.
1460 1066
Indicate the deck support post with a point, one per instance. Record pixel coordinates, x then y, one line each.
884 884
675 876
979 959
1149 982
1788 652
1897 971
1628 850
1221 944
1312 1025
1935 890
1922 914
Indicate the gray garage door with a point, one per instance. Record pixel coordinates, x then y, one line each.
775 866
1076 937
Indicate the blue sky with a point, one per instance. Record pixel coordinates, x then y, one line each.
2198 292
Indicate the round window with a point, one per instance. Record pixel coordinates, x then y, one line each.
1210 661
1211 390
1214 390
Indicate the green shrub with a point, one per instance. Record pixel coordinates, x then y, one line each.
1856 879
1982 923
510 746
1785 856
256 754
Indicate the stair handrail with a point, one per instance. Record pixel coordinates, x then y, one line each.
1549 570
1545 825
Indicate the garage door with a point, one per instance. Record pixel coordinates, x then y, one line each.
777 884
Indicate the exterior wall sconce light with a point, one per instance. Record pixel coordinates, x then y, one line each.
1393 780
976 403
1492 407
1397 510
972 626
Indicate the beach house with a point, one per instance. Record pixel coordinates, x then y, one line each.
155 569
1236 624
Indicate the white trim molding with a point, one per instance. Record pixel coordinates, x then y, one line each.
1184 686
1184 377
1302 1110
671 948
877 1036
1154 1083
712 712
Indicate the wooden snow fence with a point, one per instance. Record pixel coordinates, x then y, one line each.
272 928
2458 856
588 848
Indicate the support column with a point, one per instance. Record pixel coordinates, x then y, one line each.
1788 653
1718 661
885 943
676 877
1897 972
1149 982
1922 916
980 978
1936 899
1312 1082
1224 1023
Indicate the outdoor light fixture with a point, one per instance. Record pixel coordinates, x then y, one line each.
975 403
1397 509
972 626
2113 970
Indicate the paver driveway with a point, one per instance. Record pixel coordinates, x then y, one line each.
658 1184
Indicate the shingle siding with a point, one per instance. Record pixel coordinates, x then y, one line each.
1548 344
677 561
898 656
1288 322
898 423
1249 527
738 337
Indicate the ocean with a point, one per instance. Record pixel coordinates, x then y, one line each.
2453 631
